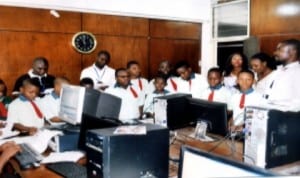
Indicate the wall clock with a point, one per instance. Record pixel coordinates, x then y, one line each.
84 42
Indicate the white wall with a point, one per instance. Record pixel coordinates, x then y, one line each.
183 10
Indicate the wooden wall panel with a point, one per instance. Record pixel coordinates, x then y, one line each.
22 47
115 25
176 30
122 49
38 20
174 51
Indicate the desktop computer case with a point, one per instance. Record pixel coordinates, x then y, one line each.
272 137
128 156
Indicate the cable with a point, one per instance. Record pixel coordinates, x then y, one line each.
220 142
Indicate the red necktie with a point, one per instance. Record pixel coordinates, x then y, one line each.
133 92
140 84
211 96
37 110
174 85
242 101
190 84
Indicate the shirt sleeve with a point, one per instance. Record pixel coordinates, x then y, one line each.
13 114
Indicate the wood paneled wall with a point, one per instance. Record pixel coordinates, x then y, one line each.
270 25
27 33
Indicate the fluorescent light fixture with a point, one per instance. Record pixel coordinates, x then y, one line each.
54 13
288 9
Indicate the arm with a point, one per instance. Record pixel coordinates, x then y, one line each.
7 152
25 129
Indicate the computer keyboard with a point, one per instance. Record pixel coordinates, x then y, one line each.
28 157
68 169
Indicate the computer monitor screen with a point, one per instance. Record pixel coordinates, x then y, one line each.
71 104
214 113
196 164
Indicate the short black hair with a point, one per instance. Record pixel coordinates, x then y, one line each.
181 64
86 81
31 81
119 70
105 53
248 72
263 57
5 88
41 59
162 77
294 43
130 63
228 66
215 69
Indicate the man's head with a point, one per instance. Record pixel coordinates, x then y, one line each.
159 83
164 68
102 59
214 77
40 66
260 62
289 51
184 70
58 83
87 82
30 88
245 80
122 77
133 68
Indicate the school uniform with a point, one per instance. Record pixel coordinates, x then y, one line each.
263 84
230 82
49 105
171 85
100 77
218 94
131 101
22 111
46 82
194 86
149 102
240 100
142 85
283 92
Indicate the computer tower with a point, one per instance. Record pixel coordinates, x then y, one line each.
128 156
172 110
272 137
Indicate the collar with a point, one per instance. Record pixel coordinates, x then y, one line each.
32 75
248 91
163 92
95 67
119 86
23 98
290 65
217 87
54 95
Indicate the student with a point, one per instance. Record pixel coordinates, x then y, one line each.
246 96
159 83
102 75
136 80
284 91
164 70
23 111
216 91
189 82
39 71
235 63
7 151
132 103
49 104
4 100
263 65
86 82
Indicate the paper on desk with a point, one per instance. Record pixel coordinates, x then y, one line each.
131 130
39 141
67 156
7 131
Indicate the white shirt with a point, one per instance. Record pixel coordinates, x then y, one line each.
221 94
284 91
169 87
263 84
230 82
149 102
21 111
130 104
49 105
251 99
106 75
143 88
195 86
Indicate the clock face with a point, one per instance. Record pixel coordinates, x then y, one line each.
84 42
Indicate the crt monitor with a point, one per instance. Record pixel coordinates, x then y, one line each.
195 163
214 113
71 104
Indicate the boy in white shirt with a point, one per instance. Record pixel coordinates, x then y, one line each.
216 91
246 96
131 106
49 104
159 83
189 82
23 111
